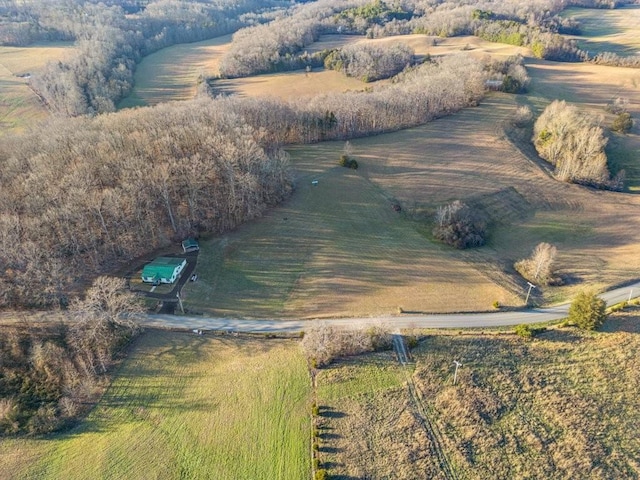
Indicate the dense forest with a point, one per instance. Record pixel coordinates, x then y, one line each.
93 191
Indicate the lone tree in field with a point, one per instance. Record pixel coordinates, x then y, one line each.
459 226
573 143
587 311
538 268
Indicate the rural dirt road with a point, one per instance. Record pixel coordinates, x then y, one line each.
453 320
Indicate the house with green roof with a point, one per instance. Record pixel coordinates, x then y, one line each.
163 270
190 245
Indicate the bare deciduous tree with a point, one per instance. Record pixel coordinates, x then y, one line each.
538 268
573 142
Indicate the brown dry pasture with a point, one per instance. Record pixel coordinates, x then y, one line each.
469 156
299 83
288 85
339 249
592 87
172 73
613 30
19 105
562 406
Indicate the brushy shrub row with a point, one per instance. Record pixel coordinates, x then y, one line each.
325 343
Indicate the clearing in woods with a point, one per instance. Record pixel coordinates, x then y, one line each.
186 406
173 72
615 30
562 406
19 105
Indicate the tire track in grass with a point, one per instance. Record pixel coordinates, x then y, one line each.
433 433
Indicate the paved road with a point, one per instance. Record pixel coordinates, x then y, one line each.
452 320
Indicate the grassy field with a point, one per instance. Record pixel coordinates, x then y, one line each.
340 249
186 406
562 406
19 105
614 30
336 249
172 73
592 87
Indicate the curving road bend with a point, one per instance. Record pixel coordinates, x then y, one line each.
449 320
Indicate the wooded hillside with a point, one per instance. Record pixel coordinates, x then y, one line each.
94 191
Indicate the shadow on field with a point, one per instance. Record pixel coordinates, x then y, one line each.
325 449
329 412
627 324
567 335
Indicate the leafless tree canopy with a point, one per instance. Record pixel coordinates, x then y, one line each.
573 142
93 192
324 343
539 267
371 62
458 225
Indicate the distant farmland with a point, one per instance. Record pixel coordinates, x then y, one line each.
172 73
186 406
19 105
611 30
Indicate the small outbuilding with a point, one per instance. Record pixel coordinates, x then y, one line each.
190 245
163 270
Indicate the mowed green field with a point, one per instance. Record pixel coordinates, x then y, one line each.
172 73
20 107
614 30
562 406
184 406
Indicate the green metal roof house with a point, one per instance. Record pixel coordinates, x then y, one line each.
163 270
190 245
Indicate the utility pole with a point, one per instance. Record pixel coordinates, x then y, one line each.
531 285
455 375
180 302
630 293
